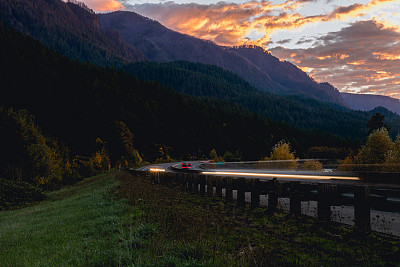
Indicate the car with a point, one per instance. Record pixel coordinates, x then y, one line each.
185 165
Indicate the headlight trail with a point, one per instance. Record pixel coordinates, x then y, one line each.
292 176
157 170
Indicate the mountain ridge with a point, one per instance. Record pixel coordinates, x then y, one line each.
70 29
161 44
369 102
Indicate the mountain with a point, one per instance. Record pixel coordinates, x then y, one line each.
78 103
256 66
301 112
289 76
369 102
69 28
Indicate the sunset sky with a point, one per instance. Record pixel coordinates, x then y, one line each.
352 44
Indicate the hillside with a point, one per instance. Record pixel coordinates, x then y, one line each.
290 76
78 103
161 44
210 81
369 102
69 28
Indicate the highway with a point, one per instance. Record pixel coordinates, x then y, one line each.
250 170
381 220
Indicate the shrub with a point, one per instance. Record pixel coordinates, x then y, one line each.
311 166
16 193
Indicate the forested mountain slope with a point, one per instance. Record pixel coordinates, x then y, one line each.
301 112
69 28
161 44
77 103
288 75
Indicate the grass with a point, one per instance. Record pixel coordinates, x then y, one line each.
74 226
128 221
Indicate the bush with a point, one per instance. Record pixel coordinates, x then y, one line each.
311 166
18 193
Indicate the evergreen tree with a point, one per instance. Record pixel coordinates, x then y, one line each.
377 122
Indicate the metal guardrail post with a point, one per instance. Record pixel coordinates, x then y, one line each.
241 192
218 186
295 200
202 181
362 212
210 188
273 195
196 179
228 188
323 206
255 193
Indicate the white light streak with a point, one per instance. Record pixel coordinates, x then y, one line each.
291 176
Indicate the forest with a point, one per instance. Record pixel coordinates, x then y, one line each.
62 120
301 112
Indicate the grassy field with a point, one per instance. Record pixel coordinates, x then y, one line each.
123 220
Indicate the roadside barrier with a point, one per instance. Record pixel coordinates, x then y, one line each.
326 194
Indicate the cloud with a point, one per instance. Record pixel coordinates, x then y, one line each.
104 5
304 41
361 58
285 41
227 23
248 23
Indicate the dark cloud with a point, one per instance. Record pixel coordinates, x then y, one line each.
304 41
285 41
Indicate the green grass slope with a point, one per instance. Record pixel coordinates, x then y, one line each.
123 220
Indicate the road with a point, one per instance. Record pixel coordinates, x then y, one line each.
328 175
381 221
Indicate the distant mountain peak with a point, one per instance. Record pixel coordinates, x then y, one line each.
366 102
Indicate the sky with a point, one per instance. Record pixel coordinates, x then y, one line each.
352 44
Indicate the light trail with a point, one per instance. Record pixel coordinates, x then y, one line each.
292 176
157 170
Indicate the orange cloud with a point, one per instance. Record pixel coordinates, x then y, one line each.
228 23
103 5
237 24
361 58
386 56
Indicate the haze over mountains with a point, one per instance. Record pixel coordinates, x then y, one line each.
369 102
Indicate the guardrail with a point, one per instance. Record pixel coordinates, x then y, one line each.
327 195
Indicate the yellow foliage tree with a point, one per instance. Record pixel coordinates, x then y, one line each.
379 153
281 152
130 156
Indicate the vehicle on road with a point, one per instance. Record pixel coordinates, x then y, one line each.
185 165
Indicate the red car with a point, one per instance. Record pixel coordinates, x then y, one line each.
185 165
